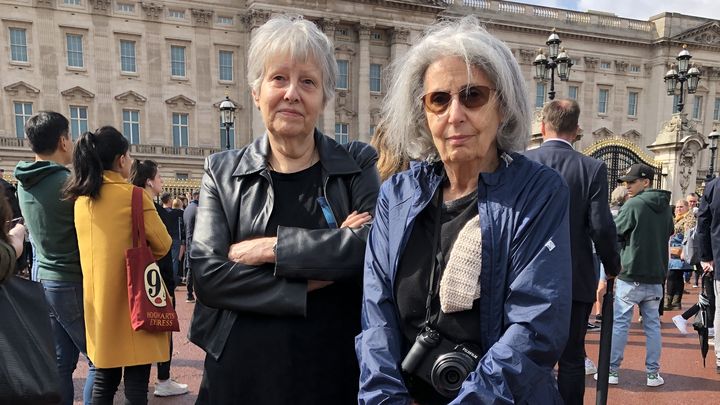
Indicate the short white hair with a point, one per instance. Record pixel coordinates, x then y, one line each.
298 38
407 127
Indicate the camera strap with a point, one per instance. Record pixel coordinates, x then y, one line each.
434 259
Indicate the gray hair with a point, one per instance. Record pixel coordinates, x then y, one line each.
301 40
407 127
618 196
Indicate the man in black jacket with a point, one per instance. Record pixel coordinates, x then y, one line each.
590 222
708 233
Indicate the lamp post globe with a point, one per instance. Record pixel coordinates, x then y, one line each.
227 118
557 59
684 73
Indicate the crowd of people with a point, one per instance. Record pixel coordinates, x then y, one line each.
445 265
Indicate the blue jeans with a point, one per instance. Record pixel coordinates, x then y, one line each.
648 298
65 299
176 265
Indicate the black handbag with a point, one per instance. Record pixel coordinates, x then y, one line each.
28 367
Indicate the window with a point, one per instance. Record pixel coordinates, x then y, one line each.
126 8
182 176
224 20
676 100
376 36
341 133
539 95
697 107
375 77
573 92
343 32
605 65
78 121
23 112
72 2
372 130
18 45
131 126
176 14
226 66
632 103
127 56
634 68
342 79
603 101
180 129
716 111
177 60
75 50
223 137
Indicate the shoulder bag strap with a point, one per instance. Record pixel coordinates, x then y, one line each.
138 220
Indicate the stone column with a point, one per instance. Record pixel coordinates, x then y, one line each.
252 20
328 124
677 147
363 92
399 42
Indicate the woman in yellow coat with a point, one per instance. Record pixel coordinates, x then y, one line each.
103 222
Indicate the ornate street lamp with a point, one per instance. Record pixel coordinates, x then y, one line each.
680 76
558 59
227 118
713 138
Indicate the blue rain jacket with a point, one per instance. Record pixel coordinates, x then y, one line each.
525 282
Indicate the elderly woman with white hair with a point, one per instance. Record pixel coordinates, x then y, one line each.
280 236
467 269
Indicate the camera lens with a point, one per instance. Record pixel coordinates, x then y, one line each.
450 371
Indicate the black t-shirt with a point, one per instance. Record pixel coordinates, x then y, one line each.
165 262
173 221
411 286
291 359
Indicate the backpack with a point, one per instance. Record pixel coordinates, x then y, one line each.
691 247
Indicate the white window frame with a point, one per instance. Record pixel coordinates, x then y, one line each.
180 125
697 110
131 124
16 47
343 76
225 20
605 65
376 81
634 69
176 14
602 107
342 132
130 58
716 110
24 115
174 63
72 2
633 104
540 94
78 124
72 54
221 66
577 91
125 8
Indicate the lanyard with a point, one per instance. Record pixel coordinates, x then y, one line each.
434 260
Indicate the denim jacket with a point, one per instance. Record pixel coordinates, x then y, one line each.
525 282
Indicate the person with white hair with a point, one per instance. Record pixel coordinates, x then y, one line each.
279 238
467 270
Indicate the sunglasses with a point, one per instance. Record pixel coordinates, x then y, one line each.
471 97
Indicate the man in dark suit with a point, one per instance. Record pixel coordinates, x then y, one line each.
590 222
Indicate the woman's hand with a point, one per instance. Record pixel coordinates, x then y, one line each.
17 238
356 220
253 252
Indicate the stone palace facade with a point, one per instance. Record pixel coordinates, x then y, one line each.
158 70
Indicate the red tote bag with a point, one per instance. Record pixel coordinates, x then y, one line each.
150 306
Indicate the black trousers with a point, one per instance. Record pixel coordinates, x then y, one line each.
675 284
136 384
571 367
163 369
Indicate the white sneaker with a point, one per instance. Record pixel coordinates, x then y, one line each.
613 378
680 323
590 368
711 332
654 380
169 388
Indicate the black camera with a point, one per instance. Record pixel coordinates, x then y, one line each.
440 362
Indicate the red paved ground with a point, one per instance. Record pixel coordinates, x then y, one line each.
686 381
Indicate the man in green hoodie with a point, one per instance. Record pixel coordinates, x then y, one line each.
644 225
50 220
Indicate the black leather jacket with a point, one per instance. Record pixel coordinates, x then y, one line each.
236 200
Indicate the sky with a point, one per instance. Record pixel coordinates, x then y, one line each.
638 9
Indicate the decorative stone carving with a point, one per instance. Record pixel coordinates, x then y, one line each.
180 100
527 55
591 62
400 35
130 97
254 18
710 38
602 133
345 49
687 159
632 135
202 17
364 30
343 114
21 89
621 65
152 10
101 5
706 34
77 93
44 3
328 25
